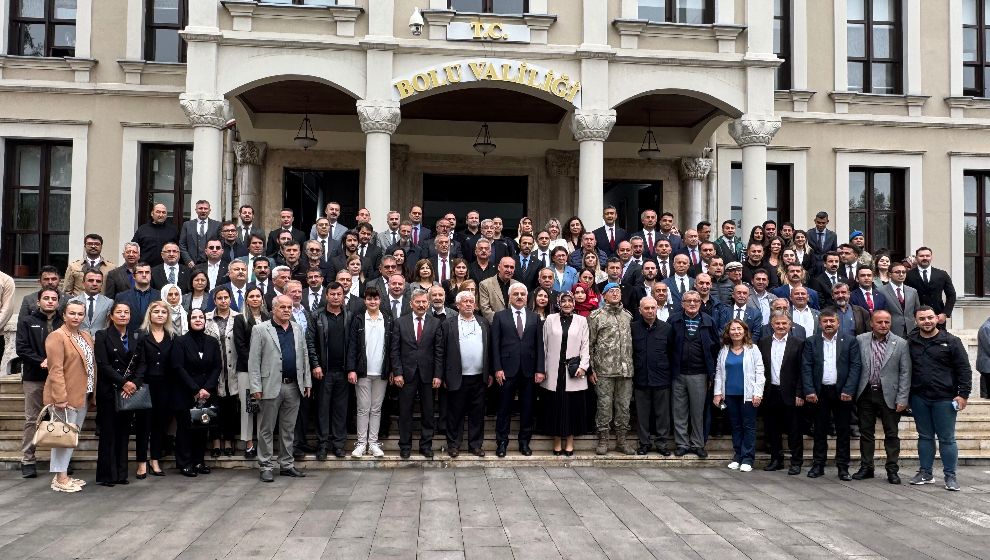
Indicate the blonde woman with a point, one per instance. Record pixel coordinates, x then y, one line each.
153 365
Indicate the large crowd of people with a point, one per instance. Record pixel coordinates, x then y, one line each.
244 338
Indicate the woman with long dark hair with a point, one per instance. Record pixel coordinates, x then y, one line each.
114 348
572 234
756 235
739 382
452 285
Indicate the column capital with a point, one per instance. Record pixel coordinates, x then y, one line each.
562 163
250 153
754 131
592 124
378 116
205 111
695 168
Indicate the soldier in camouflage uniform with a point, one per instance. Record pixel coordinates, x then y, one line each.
611 362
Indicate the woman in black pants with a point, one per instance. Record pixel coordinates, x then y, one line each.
154 367
196 370
254 312
114 347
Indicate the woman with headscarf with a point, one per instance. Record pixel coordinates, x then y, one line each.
178 314
563 396
196 363
586 300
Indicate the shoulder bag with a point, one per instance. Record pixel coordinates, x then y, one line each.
55 432
139 399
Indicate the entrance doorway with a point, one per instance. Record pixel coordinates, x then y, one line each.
491 195
306 192
631 197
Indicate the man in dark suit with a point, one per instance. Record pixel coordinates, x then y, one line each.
667 232
517 352
795 279
439 252
588 245
214 266
428 246
285 219
728 245
246 227
649 233
121 278
853 319
171 270
822 239
527 265
932 284
849 265
738 308
417 360
466 374
195 233
419 232
632 272
138 298
865 293
230 247
398 295
608 237
830 370
824 282
368 250
783 393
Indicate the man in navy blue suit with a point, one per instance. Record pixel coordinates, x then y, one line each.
865 294
608 237
740 309
795 279
140 296
517 353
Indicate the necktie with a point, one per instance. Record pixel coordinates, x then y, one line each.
649 242
130 278
869 300
525 262
739 314
92 304
361 252
663 268
393 238
244 234
849 272
694 257
315 298
395 308
325 254
416 235
171 275
240 300
543 257
443 270
831 279
519 323
419 329
821 240
900 296
261 286
682 286
92 264
124 341
924 274
611 238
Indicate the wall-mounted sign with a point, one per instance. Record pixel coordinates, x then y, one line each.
487 31
488 69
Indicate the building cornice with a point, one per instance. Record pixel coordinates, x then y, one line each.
63 122
878 151
172 126
885 120
843 99
132 90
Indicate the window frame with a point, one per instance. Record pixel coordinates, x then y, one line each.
785 193
979 258
982 63
897 48
9 256
488 7
783 75
670 12
150 27
49 21
178 213
897 249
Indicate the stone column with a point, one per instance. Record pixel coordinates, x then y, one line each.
207 117
379 119
400 159
557 200
250 157
693 172
753 134
591 128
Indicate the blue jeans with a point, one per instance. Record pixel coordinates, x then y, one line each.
742 418
935 418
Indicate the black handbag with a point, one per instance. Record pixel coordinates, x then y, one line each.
251 404
573 365
139 400
202 415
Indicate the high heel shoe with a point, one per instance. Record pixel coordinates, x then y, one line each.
557 452
215 453
568 452
153 472
141 476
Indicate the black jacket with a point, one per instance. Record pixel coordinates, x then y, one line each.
652 348
930 293
357 351
243 324
848 364
154 361
112 362
417 361
710 342
791 384
192 372
32 330
152 237
940 367
515 355
452 373
317 338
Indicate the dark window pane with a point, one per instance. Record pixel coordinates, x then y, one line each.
28 250
856 40
857 221
986 81
653 10
58 248
882 192
188 171
969 78
970 12
986 276
163 169
65 9
31 8
884 37
166 198
884 78
166 11
986 238
883 10
971 49
467 5
186 206
58 210
26 209
969 274
61 167
969 235
690 11
166 45
857 190
777 35
986 190
986 44
31 37
883 231
773 182
854 10
27 162
855 76
65 36
969 193
508 6
737 180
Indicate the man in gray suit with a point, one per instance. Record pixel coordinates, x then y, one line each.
195 233
390 235
884 386
278 367
902 301
97 305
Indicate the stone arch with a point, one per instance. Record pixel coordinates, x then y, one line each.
345 73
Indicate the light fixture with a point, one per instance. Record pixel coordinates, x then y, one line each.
483 141
304 136
650 149
416 23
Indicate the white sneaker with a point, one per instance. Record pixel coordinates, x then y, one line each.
359 450
67 487
376 450
745 468
734 465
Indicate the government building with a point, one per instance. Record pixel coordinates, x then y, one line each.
874 111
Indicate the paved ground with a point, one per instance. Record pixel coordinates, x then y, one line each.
494 514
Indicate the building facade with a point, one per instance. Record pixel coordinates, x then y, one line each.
872 110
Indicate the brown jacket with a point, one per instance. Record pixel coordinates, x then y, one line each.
66 369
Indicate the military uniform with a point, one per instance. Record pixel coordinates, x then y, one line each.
611 361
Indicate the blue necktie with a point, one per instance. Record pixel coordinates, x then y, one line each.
123 340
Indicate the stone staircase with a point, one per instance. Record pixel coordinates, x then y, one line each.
972 435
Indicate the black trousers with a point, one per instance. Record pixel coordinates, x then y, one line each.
831 408
190 441
331 410
873 406
523 386
228 421
115 431
468 400
152 424
653 403
407 397
307 409
781 415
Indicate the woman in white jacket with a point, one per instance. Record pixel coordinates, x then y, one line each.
739 384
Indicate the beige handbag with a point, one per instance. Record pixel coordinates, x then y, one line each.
55 432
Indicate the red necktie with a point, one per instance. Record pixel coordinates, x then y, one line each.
416 236
519 324
419 329
611 238
649 242
900 297
443 270
869 301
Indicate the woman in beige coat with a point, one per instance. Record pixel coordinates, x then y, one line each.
220 325
565 337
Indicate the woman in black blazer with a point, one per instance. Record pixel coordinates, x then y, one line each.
154 367
254 312
114 347
196 365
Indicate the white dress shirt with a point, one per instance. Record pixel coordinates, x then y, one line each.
212 271
776 357
830 374
805 318
374 343
471 343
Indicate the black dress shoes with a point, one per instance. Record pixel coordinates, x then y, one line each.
681 451
122 481
298 454
251 453
844 474
267 476
794 469
188 471
816 471
293 472
643 449
893 478
453 452
339 453
479 452
501 448
863 473
426 452
405 453
663 451
701 453
775 464
524 449
321 454
107 484
153 472
203 469
29 471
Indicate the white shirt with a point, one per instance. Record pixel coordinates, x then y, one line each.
471 345
374 343
764 302
805 318
776 357
314 297
663 313
173 270
830 375
522 314
212 271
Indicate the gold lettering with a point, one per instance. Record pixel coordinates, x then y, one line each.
435 80
531 79
559 86
453 73
572 93
405 88
421 82
522 73
490 73
545 86
494 32
477 27
506 70
478 69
